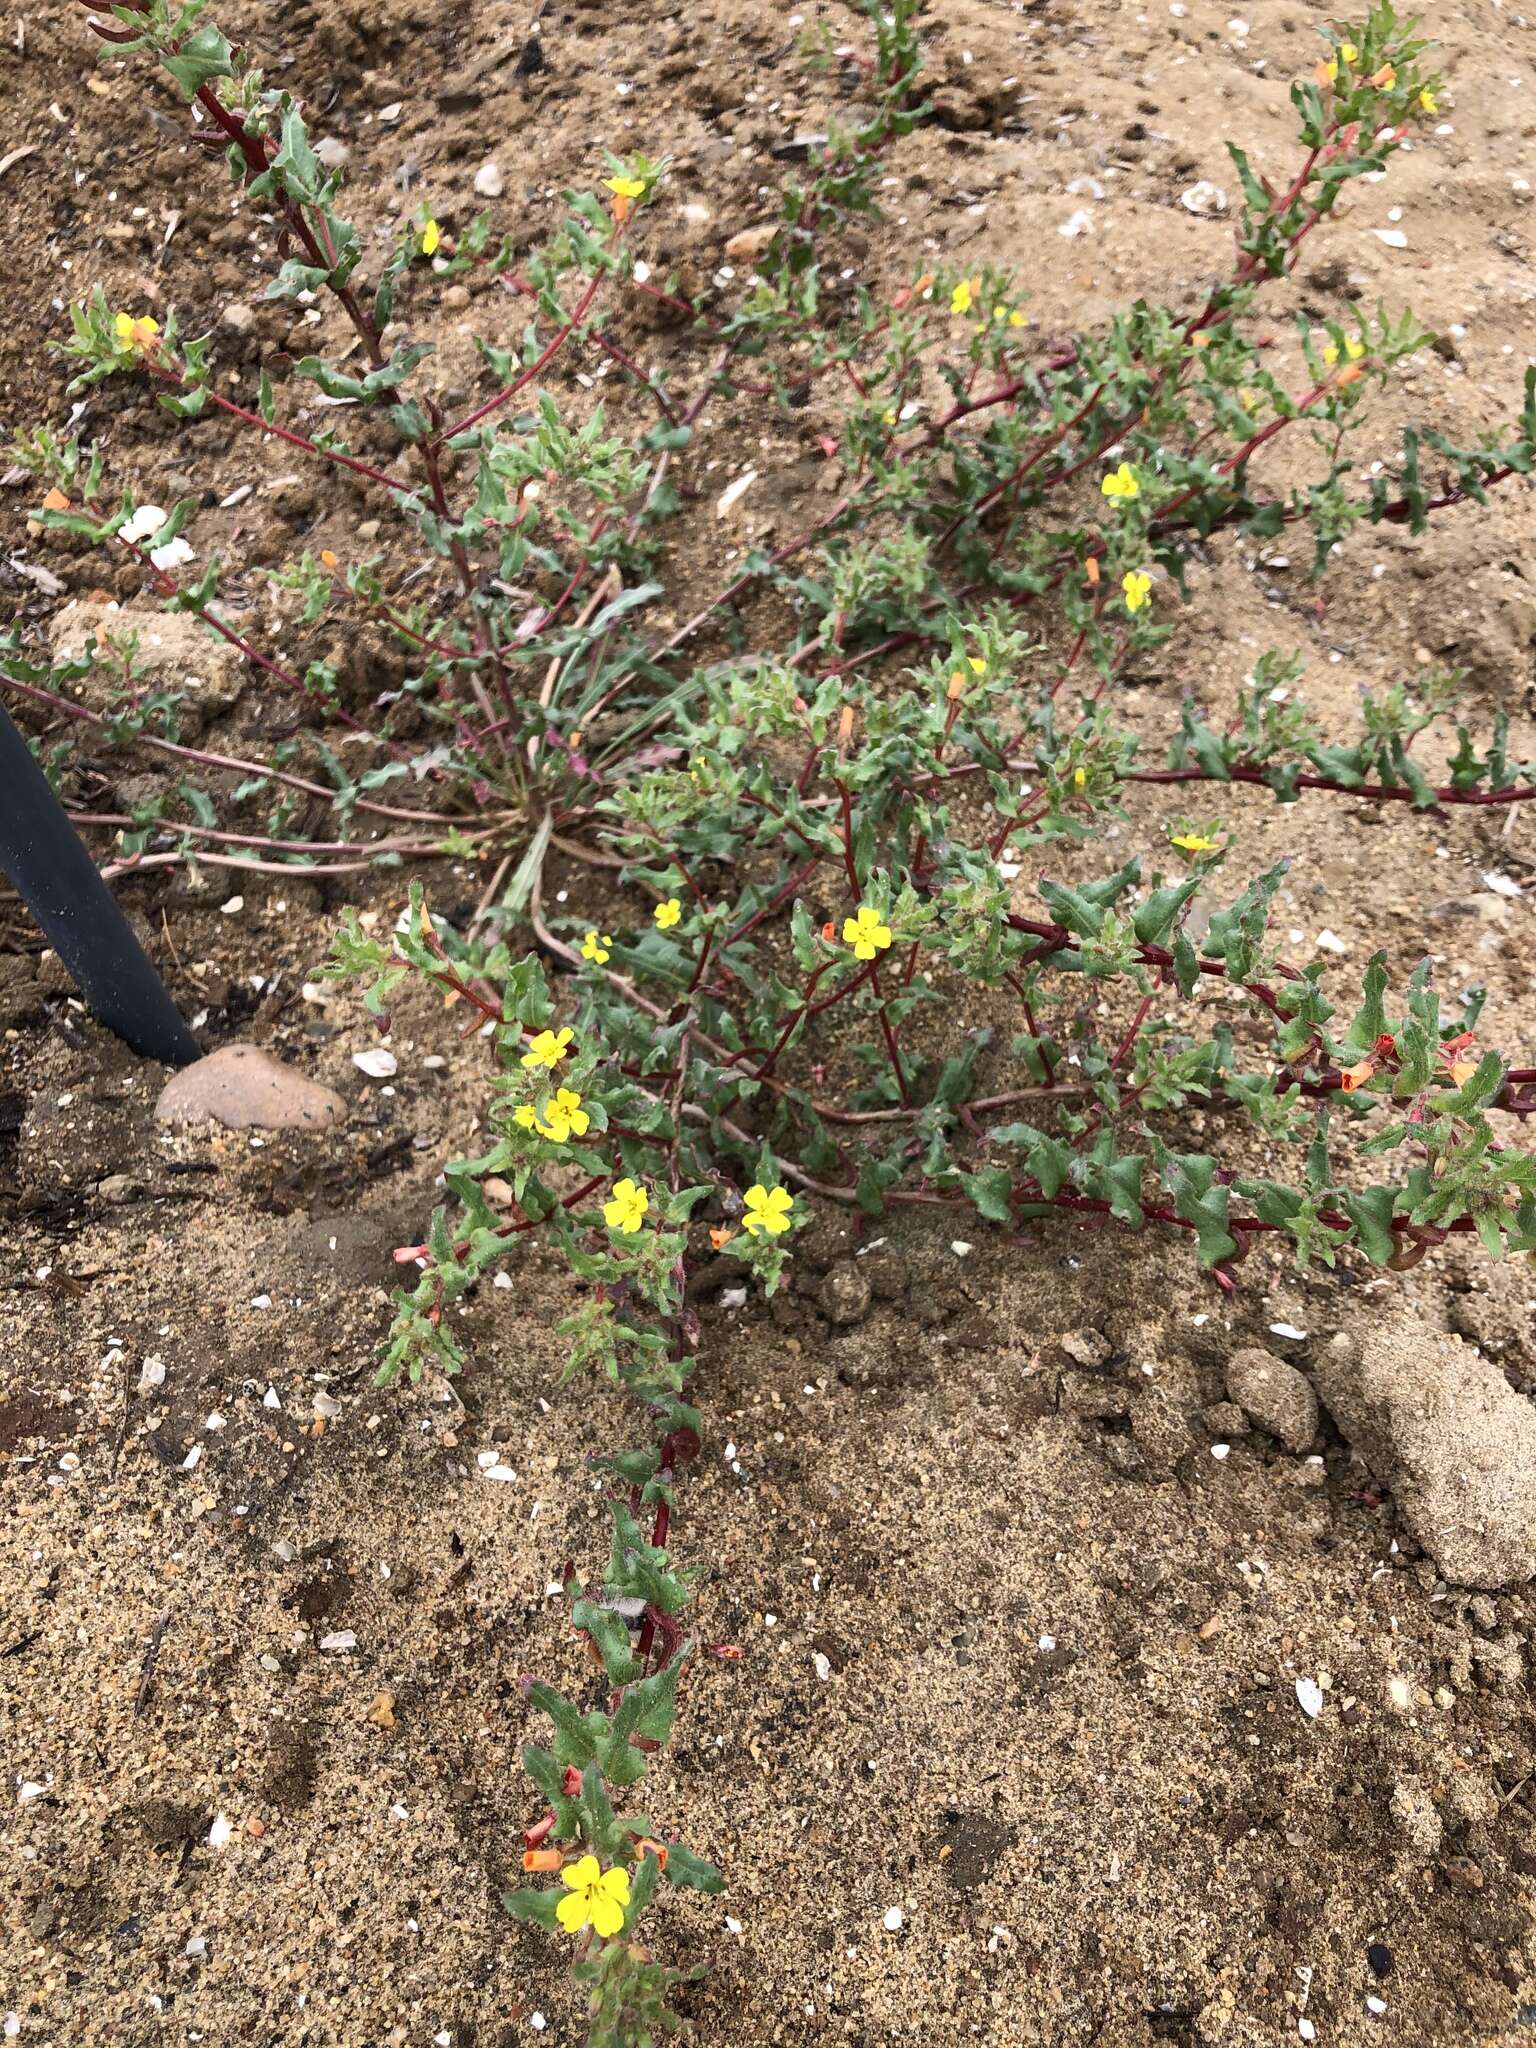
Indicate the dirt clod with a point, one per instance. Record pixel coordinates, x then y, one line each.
1451 1438
1275 1396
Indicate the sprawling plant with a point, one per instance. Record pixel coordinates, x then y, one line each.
816 848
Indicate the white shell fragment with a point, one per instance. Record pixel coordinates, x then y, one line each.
1204 198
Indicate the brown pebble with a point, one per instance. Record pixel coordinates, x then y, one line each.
382 1711
246 1089
255 1825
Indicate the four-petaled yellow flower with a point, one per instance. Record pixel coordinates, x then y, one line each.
594 1898
976 664
865 933
1353 348
767 1209
963 297
564 1117
1348 52
626 1211
1015 318
595 946
1121 483
1428 101
141 333
548 1048
1137 585
1194 842
431 238
667 914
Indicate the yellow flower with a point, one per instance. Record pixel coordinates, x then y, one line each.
565 1117
141 333
1331 71
1137 586
1353 348
1121 483
431 238
1015 318
1428 101
548 1048
767 1209
1194 842
595 946
1079 777
668 913
625 188
1348 52
963 296
595 1897
627 1209
976 664
865 933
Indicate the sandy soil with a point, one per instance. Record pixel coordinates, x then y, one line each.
1055 1785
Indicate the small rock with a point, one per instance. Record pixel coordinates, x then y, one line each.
845 1294
244 1088
456 298
177 653
1451 1439
1090 1349
1414 1812
1275 1396
237 317
489 182
118 1188
1463 1873
1380 1958
750 243
332 152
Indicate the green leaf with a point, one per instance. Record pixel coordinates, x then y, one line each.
203 55
610 1632
692 1872
537 1907
990 1190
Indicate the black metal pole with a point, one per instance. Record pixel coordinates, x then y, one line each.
58 882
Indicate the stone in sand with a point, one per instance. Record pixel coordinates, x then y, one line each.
1451 1438
1275 1396
245 1088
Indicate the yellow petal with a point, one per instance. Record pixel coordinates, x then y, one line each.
572 1910
616 1884
586 1870
607 1915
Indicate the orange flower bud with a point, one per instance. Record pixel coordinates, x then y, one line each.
656 1849
328 557
721 1238
541 1859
